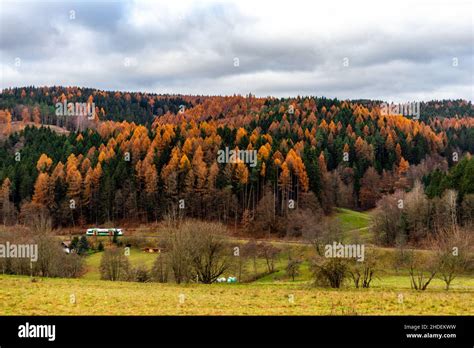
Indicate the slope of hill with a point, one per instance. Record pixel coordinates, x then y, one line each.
218 158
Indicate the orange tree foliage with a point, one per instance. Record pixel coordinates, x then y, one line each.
144 170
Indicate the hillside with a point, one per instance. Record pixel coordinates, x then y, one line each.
216 158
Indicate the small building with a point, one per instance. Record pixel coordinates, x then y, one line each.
152 250
66 245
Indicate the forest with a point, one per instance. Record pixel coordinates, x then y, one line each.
147 157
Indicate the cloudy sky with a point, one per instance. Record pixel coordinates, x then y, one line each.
391 50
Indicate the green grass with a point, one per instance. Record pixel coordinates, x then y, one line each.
136 257
351 219
354 225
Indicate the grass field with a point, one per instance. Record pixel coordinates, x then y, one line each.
270 294
20 296
354 225
136 257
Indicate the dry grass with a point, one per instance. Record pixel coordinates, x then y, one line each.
20 296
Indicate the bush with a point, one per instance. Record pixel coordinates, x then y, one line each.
139 274
422 268
83 246
293 268
52 260
114 265
72 266
330 272
362 273
197 250
74 244
138 242
452 249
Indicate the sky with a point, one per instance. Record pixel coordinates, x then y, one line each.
387 50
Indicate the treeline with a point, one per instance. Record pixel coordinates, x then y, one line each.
446 109
38 103
50 260
444 202
142 108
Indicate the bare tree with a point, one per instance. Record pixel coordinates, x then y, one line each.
387 217
37 217
210 254
178 242
293 268
269 252
114 265
453 248
422 268
160 269
363 273
197 250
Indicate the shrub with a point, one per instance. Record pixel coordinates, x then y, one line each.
138 242
52 260
293 268
330 272
114 265
362 273
422 268
452 249
139 274
83 246
74 244
72 266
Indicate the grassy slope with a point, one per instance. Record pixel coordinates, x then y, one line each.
136 257
354 225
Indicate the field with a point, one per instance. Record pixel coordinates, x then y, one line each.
268 294
20 296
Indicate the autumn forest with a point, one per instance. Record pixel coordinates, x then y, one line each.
147 157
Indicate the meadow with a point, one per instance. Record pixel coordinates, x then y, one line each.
390 296
269 294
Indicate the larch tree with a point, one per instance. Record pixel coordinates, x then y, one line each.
43 193
6 121
44 163
199 168
6 206
25 115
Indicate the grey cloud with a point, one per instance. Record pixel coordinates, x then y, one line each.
195 50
